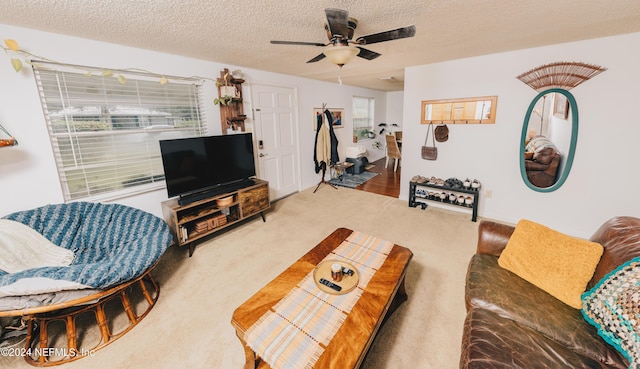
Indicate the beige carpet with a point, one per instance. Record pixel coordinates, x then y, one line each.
190 325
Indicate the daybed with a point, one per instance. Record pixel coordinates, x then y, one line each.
114 248
512 323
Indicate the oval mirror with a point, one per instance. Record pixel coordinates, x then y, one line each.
548 141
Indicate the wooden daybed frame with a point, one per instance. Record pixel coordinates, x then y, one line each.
38 319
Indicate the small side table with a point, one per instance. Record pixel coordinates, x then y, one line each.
338 170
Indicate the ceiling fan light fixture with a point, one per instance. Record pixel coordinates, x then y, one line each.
341 54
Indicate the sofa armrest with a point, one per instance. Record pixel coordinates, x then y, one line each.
493 237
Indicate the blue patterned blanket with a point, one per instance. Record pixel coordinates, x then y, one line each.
112 244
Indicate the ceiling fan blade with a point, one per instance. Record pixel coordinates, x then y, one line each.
394 34
367 54
338 21
317 58
298 43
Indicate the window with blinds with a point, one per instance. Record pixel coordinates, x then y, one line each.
105 134
362 116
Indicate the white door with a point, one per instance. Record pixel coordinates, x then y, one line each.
277 137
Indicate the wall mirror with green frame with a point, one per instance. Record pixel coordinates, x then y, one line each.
548 140
550 129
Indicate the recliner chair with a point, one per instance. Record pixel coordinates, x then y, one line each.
542 169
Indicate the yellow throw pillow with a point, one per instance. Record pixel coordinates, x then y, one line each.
559 264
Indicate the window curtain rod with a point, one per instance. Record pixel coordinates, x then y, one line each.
131 71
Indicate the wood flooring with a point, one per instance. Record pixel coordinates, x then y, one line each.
387 183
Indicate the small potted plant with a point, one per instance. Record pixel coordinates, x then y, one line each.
387 128
227 91
224 100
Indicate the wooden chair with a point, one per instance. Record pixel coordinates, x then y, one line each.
393 151
398 135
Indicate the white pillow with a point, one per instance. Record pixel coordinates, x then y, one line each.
22 248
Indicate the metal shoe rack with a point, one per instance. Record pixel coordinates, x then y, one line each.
419 195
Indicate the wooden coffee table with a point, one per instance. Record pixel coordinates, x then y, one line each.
382 295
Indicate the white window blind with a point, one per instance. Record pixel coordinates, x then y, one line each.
105 134
363 108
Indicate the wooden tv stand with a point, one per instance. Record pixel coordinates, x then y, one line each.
199 219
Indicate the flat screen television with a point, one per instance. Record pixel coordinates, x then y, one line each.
205 166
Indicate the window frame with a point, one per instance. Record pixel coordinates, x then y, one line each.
359 130
117 155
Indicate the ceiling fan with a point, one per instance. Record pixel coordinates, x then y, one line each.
341 47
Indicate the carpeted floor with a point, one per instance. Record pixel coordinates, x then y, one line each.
190 325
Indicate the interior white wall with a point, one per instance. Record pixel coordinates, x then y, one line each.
395 110
604 155
28 175
601 182
395 107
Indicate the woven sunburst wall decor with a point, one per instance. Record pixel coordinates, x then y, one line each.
566 75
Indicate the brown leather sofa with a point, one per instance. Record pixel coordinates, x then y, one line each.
511 323
542 168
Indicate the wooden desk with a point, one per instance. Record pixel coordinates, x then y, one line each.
383 294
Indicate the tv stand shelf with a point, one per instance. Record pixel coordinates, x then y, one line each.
199 219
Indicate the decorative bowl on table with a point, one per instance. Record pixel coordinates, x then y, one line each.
224 201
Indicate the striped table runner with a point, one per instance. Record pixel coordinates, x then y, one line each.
295 332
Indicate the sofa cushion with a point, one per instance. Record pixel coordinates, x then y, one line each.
613 306
490 341
621 241
545 156
559 264
492 288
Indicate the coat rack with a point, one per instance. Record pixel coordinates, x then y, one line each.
322 164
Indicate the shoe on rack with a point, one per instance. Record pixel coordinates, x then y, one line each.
454 183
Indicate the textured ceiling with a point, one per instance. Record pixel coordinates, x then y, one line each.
238 32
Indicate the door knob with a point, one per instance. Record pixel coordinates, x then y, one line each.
261 155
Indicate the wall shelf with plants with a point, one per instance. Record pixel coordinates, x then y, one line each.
231 103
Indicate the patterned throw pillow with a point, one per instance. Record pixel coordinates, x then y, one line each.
613 306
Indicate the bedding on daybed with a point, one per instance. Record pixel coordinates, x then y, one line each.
111 244
22 248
